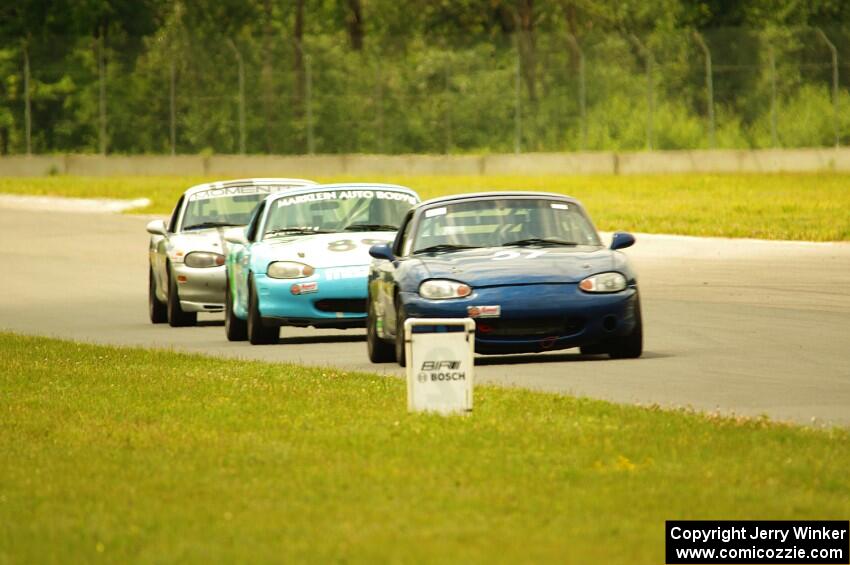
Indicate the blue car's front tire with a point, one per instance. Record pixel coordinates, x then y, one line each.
629 346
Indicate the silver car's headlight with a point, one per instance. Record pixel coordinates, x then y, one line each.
203 259
441 289
603 282
289 270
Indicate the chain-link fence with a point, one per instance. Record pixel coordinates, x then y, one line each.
725 88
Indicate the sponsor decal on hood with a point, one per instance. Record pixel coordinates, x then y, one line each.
326 250
498 266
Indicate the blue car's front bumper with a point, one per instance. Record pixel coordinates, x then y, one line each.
339 303
534 318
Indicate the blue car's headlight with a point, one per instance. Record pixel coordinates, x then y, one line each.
439 289
289 270
203 259
603 282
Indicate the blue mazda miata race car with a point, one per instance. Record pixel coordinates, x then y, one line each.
529 267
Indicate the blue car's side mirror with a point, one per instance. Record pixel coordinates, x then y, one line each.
621 240
381 251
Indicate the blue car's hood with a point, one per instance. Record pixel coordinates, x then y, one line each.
497 266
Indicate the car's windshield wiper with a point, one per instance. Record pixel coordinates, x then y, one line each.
539 241
296 231
370 227
444 247
207 225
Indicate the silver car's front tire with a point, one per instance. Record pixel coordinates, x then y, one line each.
157 311
176 316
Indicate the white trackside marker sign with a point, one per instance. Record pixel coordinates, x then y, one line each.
440 365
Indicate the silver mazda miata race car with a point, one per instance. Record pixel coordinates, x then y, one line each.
187 273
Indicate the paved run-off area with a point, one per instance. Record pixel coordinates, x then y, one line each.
740 326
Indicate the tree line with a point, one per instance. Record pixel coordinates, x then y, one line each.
436 76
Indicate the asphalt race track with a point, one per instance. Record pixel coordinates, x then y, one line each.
735 326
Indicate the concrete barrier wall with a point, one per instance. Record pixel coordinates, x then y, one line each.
654 162
35 166
330 165
550 164
155 165
274 165
734 161
414 164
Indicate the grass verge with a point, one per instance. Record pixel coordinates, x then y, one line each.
811 207
122 454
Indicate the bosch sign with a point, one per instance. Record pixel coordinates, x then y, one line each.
440 367
443 370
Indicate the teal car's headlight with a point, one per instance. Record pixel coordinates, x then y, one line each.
603 282
442 289
203 259
289 270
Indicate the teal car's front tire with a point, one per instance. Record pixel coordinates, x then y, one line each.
157 311
258 334
177 318
235 328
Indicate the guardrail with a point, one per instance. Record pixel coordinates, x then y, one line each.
589 163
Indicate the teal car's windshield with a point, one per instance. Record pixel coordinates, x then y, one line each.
501 222
338 210
230 206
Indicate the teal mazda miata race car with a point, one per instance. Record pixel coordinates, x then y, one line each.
303 258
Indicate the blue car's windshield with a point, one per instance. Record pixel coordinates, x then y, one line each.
338 210
498 222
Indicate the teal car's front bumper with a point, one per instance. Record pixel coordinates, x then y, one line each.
332 303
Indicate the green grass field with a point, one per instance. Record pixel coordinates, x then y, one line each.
118 454
813 207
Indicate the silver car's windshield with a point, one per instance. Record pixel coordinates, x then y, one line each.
229 206
337 211
500 222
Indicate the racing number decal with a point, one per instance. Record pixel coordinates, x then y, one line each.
371 242
505 255
343 245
